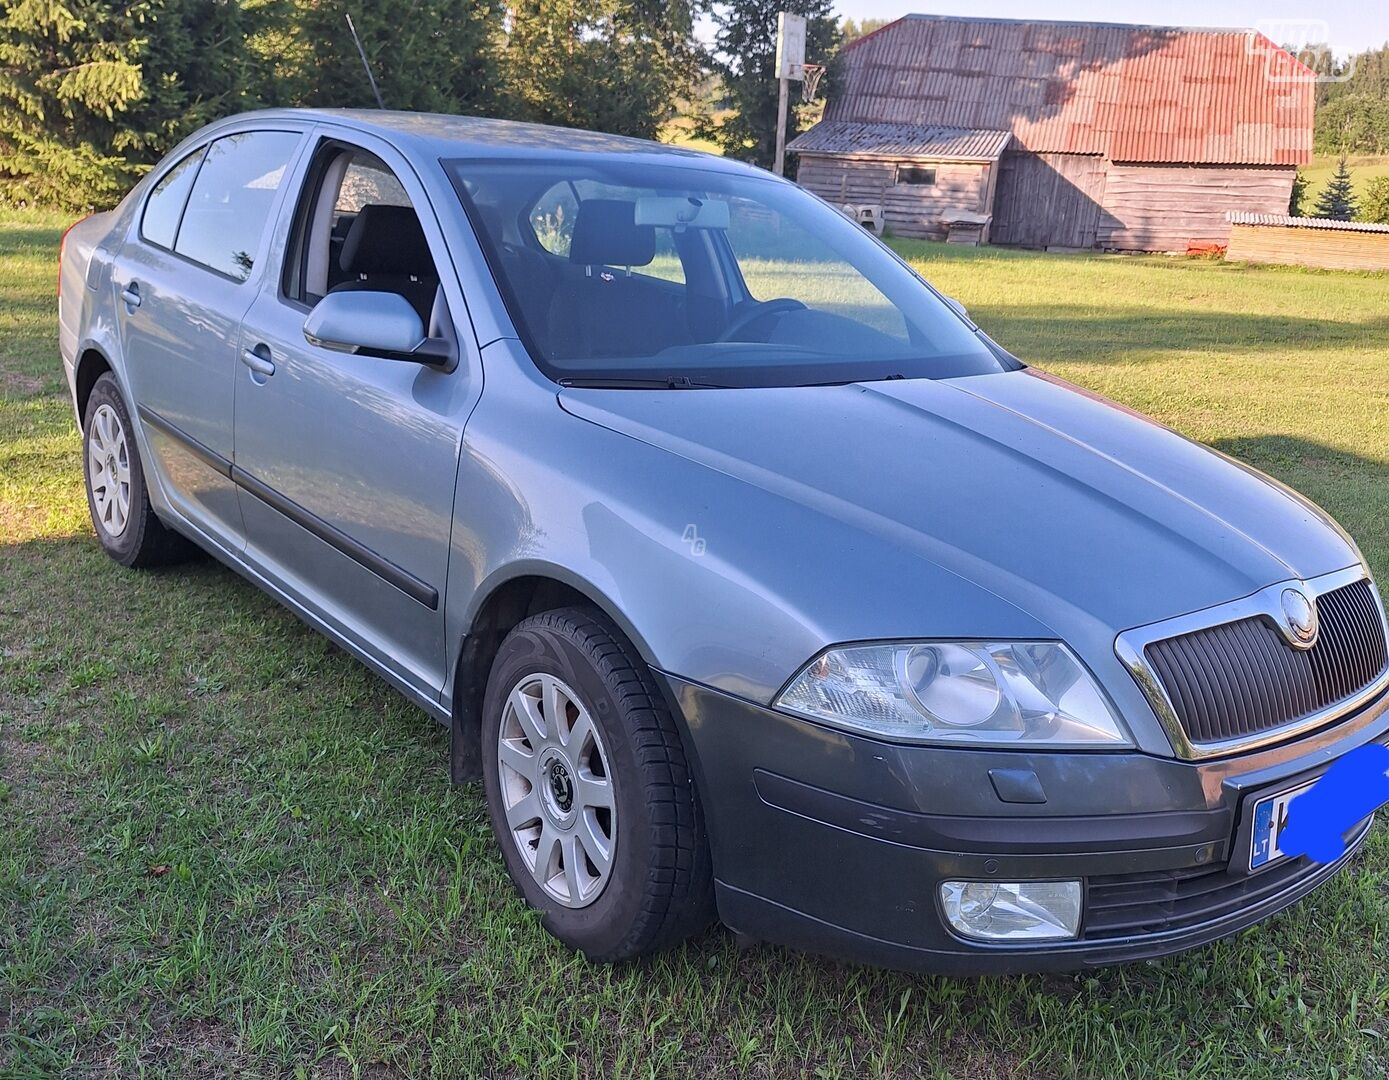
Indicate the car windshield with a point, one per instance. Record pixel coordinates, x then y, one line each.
628 274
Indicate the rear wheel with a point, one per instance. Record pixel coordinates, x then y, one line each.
589 791
125 522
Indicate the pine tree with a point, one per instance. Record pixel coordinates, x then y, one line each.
1337 199
92 93
608 65
745 58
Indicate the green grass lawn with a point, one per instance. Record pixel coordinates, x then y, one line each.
227 849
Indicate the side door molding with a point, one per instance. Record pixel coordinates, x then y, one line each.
387 571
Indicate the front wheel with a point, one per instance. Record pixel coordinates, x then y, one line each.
589 791
125 522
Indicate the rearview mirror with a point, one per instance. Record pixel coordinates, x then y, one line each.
380 324
681 213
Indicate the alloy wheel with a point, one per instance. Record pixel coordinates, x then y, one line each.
108 470
557 790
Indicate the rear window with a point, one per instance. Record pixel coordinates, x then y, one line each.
232 198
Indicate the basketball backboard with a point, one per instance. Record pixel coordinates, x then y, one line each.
790 45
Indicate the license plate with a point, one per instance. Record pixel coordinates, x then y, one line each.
1270 818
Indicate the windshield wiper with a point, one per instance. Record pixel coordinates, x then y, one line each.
670 382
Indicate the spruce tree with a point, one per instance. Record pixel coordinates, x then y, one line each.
744 56
1337 199
92 93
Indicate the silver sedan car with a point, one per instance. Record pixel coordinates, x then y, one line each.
753 579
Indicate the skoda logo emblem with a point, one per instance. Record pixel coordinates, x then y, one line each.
561 786
1299 618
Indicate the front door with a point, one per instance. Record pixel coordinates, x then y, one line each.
347 463
183 281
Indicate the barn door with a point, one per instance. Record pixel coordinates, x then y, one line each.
1048 200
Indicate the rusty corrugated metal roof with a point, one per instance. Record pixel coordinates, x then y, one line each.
1243 217
1130 93
901 140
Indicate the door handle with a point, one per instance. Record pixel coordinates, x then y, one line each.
131 295
258 360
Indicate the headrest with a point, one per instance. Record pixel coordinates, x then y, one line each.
606 233
386 240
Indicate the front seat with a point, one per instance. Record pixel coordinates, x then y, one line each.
385 251
599 313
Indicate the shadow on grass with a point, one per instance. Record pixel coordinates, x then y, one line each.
17 238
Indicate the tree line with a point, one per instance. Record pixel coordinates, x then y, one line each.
93 92
1352 101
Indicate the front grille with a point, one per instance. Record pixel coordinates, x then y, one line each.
1243 678
1125 904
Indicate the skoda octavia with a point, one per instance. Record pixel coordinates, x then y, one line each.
753 579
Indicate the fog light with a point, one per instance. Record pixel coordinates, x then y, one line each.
1012 910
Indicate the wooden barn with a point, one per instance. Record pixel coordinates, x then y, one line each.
1068 135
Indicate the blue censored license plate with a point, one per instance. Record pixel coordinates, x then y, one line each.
1270 818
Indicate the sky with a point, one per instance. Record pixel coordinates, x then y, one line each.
1350 26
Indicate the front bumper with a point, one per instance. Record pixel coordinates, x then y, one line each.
837 844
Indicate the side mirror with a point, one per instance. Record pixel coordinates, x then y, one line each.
380 324
960 308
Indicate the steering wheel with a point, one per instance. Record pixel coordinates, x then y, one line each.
766 307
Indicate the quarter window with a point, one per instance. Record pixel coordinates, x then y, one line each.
552 218
232 198
368 180
166 201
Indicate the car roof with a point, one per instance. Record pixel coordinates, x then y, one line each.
451 136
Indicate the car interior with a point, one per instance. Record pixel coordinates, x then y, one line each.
597 277
360 233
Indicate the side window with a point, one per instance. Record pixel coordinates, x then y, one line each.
164 208
232 199
780 257
357 230
552 219
666 265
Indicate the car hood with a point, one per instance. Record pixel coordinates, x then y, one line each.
1050 497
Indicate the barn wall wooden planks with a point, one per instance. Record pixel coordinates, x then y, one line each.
909 210
1048 200
1325 248
1175 207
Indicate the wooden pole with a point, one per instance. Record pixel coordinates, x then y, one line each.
779 166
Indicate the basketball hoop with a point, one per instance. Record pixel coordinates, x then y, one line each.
810 80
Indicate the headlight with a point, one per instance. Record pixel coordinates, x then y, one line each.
958 693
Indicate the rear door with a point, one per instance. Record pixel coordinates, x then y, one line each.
347 463
183 281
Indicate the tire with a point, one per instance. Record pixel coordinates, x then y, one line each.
657 887
125 523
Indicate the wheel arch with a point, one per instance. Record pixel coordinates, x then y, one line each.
505 599
91 365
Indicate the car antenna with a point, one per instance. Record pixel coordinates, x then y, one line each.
363 54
